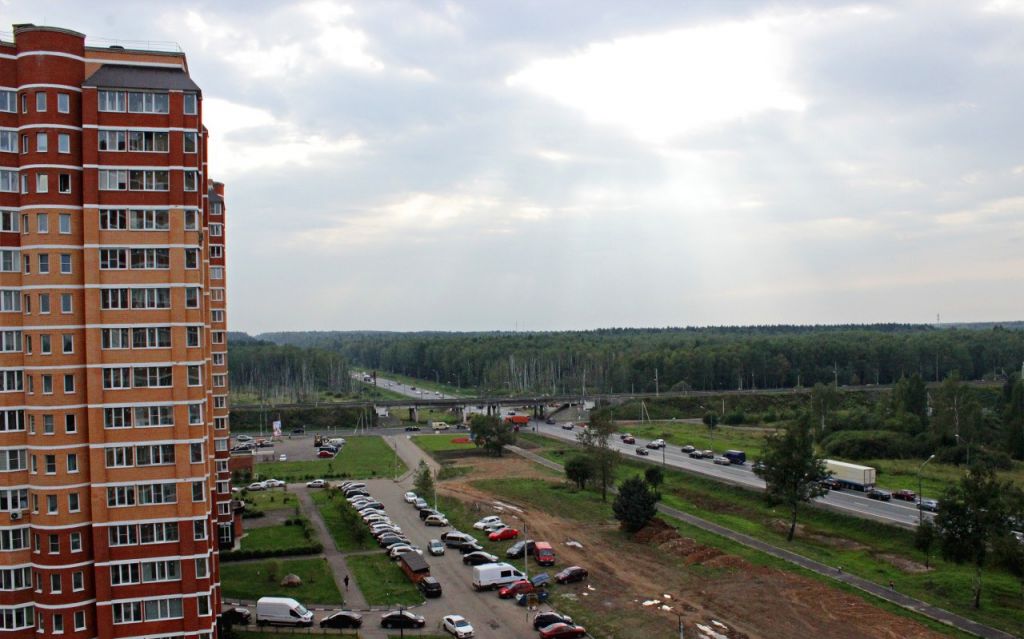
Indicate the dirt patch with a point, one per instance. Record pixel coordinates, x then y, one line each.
672 574
906 565
781 526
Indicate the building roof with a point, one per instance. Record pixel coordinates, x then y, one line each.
214 197
132 77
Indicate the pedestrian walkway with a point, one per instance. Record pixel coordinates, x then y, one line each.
882 592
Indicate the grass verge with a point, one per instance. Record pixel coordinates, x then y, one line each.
273 537
255 579
362 457
381 581
342 521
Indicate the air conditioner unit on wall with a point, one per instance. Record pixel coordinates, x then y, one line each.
15 516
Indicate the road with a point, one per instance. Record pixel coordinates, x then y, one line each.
851 502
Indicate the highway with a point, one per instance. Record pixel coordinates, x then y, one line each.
851 502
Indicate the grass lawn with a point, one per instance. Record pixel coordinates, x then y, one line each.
860 546
444 443
343 531
254 579
270 500
274 537
381 581
363 457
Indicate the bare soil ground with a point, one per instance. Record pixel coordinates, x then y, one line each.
644 582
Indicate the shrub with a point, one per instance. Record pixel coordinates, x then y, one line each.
240 555
870 444
734 418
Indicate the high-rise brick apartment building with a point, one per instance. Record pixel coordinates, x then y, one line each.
114 482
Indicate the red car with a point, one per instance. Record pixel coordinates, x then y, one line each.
561 630
513 589
503 534
905 495
325 453
629 439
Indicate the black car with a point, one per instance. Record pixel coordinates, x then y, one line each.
412 427
545 619
237 616
478 557
549 421
931 505
571 574
391 539
301 430
880 495
696 454
687 449
643 452
516 550
342 619
831 483
427 512
467 548
402 619
429 587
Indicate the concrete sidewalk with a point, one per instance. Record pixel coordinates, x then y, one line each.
890 595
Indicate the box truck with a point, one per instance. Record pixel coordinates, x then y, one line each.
282 611
736 456
851 475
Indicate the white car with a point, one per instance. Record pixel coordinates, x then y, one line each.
495 526
316 483
493 519
283 457
457 626
243 438
401 549
257 485
410 497
273 483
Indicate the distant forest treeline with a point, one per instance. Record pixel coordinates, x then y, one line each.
624 360
283 373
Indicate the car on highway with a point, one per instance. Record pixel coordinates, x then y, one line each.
316 483
412 428
643 452
503 534
568 426
687 449
571 574
522 586
931 505
243 438
516 550
325 454
879 494
696 454
486 521
707 454
546 618
257 485
562 631
410 497
457 626
721 461
550 421
342 619
300 430
831 483
435 547
905 495
402 619
478 557
435 520
656 443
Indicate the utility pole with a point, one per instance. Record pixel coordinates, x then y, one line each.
656 392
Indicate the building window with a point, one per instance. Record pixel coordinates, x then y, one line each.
75 540
191 297
58 624
40 102
69 384
216 251
147 102
202 568
50 462
195 453
189 100
191 220
220 423
8 181
195 414
47 384
68 343
192 335
64 223
44 344
113 179
54 544
8 101
9 141
63 143
42 183
148 180
216 272
150 141
199 529
9 261
44 263
70 423
190 141
66 303
112 140
203 605
48 425
65 263
147 220
217 315
51 504
79 620
218 359
42 143
74 505
216 230
64 183
195 375
44 303
113 219
63 103
111 101
191 180
198 491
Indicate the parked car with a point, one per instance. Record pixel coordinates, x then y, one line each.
562 631
831 483
879 494
457 626
905 495
410 497
436 520
342 619
237 616
429 587
283 611
435 547
550 421
472 546
643 452
687 449
522 586
274 483
655 444
721 460
503 534
571 574
516 550
545 619
402 619
478 557
316 483
257 485
400 549
421 503
931 505
243 438
325 454
427 512
490 519
412 428
454 538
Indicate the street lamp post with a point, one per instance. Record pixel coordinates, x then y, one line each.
920 491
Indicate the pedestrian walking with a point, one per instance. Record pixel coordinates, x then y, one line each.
892 585
346 582
839 569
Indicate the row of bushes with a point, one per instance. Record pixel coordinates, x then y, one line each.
240 555
885 444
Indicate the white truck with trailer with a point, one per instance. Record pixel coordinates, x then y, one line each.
851 475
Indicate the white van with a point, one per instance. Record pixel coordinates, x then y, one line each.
282 611
490 576
336 441
439 425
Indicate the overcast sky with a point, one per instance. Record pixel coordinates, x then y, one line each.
549 165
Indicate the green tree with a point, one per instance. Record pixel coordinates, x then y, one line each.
911 396
972 515
424 482
924 540
1013 419
490 434
824 401
579 470
790 468
654 476
956 415
596 439
635 505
